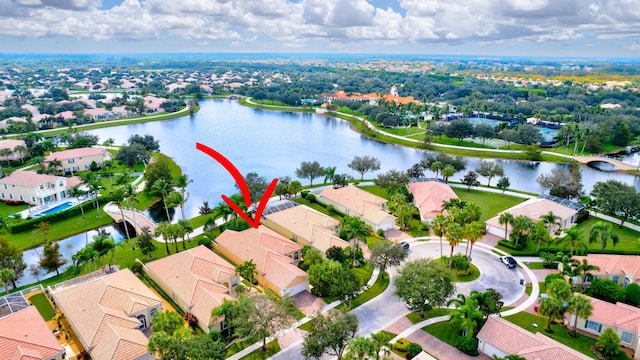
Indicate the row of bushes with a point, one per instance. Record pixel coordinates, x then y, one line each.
404 345
515 251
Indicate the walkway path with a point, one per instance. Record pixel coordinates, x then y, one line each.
133 217
617 163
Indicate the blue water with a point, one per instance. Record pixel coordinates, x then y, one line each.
56 209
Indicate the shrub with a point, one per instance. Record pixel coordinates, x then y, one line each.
402 344
460 262
380 233
310 198
304 193
608 290
205 241
608 345
633 294
467 345
414 349
136 267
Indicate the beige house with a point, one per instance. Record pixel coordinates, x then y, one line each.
108 315
501 338
428 196
624 319
306 226
275 256
198 280
25 336
623 269
354 201
534 209
11 144
80 159
34 188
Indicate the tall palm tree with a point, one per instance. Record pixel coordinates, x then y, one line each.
186 225
448 172
6 153
472 232
576 241
505 219
550 220
521 224
438 226
551 307
238 199
466 315
163 230
182 182
454 234
162 188
119 194
6 276
102 243
76 192
131 202
584 269
362 347
22 151
603 232
329 173
223 210
354 228
581 307
53 165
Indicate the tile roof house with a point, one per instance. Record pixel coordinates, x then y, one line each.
306 226
502 338
11 145
624 319
79 159
34 188
109 313
24 335
354 201
623 269
534 209
428 196
198 280
275 256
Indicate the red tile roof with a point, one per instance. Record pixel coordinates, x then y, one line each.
77 153
25 335
29 178
610 264
618 315
429 196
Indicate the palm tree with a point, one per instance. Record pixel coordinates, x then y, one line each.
552 308
162 188
466 315
436 167
550 220
119 194
362 347
131 201
584 269
580 306
6 276
472 232
569 264
438 226
21 150
238 199
603 232
539 232
575 239
329 173
182 182
5 153
247 270
102 243
505 219
448 172
163 230
223 210
76 192
53 165
354 228
521 224
188 228
454 234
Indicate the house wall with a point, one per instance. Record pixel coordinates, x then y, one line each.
80 163
34 195
633 345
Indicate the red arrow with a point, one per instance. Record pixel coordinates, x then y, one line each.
244 189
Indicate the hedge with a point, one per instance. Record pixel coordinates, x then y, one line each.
510 248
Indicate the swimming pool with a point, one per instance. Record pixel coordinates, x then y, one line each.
55 209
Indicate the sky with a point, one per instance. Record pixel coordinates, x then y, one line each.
588 28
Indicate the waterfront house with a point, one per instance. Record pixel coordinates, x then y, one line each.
33 188
353 201
80 159
197 280
623 269
24 335
276 258
428 196
11 145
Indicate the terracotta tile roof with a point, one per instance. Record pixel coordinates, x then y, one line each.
512 339
120 343
429 196
77 153
29 178
267 249
197 277
618 315
98 303
614 264
25 335
359 202
11 144
534 209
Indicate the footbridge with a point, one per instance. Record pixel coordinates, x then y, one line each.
617 163
133 217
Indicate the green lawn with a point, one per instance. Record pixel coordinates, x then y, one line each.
376 289
490 203
443 331
473 274
272 348
43 305
415 318
580 343
535 265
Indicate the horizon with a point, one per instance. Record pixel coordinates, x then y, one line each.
493 28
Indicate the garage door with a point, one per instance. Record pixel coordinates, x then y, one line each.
495 231
296 289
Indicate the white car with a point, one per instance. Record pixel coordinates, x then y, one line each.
509 262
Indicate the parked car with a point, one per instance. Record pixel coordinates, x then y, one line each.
509 262
405 245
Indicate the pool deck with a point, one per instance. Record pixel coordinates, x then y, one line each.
36 210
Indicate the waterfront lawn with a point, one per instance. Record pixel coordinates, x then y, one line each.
60 229
490 203
43 306
580 343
